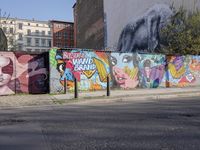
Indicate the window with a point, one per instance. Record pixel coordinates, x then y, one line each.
28 41
49 43
28 32
58 44
49 32
43 33
28 50
11 30
37 25
20 38
37 42
29 24
66 45
65 35
20 47
43 42
37 50
37 32
71 36
20 26
58 35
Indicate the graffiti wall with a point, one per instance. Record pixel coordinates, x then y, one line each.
151 70
90 68
7 73
183 71
23 73
124 70
194 68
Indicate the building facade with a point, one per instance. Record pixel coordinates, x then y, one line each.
89 24
63 34
27 35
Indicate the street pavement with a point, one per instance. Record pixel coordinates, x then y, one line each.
97 96
164 124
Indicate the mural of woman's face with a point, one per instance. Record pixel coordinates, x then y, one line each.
122 66
5 72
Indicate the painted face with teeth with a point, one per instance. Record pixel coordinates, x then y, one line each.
123 70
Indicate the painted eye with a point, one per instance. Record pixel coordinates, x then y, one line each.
126 59
113 60
61 67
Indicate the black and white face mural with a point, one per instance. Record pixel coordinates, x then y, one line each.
134 26
144 33
152 26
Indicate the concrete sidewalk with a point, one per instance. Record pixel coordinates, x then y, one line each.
97 96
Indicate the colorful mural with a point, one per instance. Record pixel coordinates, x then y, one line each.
34 78
89 68
124 70
152 70
7 73
194 65
178 72
22 73
55 86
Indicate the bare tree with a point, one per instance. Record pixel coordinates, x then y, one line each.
8 26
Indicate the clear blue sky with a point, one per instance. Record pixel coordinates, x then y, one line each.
42 10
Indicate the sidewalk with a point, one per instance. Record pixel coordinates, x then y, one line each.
97 96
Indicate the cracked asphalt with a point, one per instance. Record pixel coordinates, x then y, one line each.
167 124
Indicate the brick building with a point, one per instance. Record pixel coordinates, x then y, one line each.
89 24
63 34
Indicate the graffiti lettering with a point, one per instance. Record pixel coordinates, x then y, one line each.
83 64
89 68
68 55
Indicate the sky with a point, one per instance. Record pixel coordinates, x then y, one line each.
42 10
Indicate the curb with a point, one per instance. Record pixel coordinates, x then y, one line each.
52 101
127 98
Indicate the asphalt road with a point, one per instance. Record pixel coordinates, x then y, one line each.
146 125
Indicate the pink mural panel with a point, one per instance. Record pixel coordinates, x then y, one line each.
23 73
7 73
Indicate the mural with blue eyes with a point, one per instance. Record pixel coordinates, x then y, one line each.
124 70
152 70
